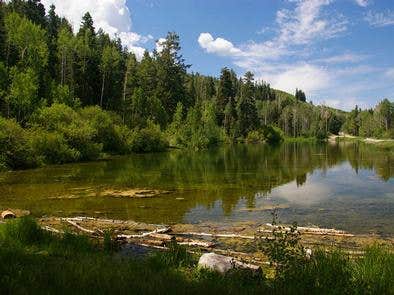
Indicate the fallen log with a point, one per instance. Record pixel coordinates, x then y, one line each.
216 235
143 235
311 230
89 231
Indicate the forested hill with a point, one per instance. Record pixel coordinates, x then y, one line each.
83 93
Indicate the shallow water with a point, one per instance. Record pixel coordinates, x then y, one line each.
346 186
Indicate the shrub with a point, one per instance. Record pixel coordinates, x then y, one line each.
52 147
253 136
78 133
22 230
148 139
14 149
54 117
109 129
272 135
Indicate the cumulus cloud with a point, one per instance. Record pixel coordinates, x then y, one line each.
113 16
308 77
380 19
295 29
218 46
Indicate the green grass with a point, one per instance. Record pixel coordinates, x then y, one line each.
36 262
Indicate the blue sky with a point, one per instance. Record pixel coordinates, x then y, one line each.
341 52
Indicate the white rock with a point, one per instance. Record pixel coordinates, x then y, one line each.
216 262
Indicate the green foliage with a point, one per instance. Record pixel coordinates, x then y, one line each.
23 230
377 122
198 130
22 99
14 149
51 147
109 130
374 272
61 94
29 39
283 249
272 135
148 139
254 137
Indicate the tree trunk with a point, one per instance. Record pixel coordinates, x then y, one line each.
102 91
124 92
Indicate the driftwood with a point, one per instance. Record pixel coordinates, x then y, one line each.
143 235
313 230
216 235
80 227
197 243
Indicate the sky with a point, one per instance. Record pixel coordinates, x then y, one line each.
340 52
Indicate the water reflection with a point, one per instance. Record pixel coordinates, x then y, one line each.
339 185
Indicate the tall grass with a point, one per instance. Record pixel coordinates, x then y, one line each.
33 261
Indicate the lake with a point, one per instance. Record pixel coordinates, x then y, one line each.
347 186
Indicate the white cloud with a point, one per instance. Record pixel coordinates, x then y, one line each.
308 77
342 58
113 16
159 44
296 29
362 3
306 23
380 19
218 46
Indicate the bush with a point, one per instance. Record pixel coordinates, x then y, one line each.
272 135
254 137
15 152
148 139
109 129
78 133
52 147
22 230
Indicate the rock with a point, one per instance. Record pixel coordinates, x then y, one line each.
7 214
216 262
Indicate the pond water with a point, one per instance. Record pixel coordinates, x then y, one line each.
348 186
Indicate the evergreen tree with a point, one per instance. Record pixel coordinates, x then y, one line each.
53 26
226 92
110 59
171 74
246 108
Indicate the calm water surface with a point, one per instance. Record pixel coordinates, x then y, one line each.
346 186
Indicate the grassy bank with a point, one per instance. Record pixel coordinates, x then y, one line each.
36 262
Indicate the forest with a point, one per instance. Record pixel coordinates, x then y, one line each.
73 96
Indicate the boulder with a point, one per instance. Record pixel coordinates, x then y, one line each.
216 262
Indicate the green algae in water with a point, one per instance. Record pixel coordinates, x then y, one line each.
348 186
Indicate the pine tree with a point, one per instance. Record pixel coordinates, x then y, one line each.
171 74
